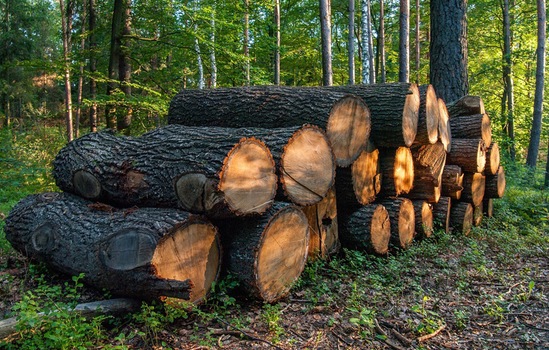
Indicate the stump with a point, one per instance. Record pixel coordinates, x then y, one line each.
424 218
402 219
467 105
469 154
452 181
476 126
140 252
461 217
492 159
441 214
473 188
323 227
495 185
397 171
444 129
368 229
428 117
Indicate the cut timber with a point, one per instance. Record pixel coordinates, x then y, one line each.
452 181
461 217
444 130
345 117
268 253
473 188
397 171
403 221
429 115
495 185
368 229
424 218
488 207
492 159
441 214
467 105
140 252
475 126
478 213
469 154
323 226
359 184
429 161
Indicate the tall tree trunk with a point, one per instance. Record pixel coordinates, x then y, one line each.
277 47
124 115
404 42
247 41
366 30
547 167
381 41
114 59
81 75
351 42
326 38
508 78
66 14
418 47
201 82
93 65
535 132
448 49
371 44
5 95
213 64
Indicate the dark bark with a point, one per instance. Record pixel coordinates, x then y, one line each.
92 18
326 39
368 229
124 112
461 217
428 117
488 207
441 214
452 181
495 184
476 126
117 27
429 162
508 79
424 218
469 154
246 47
467 105
403 221
323 227
474 185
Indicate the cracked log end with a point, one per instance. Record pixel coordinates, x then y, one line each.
366 175
444 131
432 114
403 170
323 229
410 115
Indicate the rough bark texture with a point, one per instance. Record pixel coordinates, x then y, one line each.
118 249
452 181
441 214
444 130
403 221
473 188
429 161
429 115
495 184
214 171
467 105
476 126
267 253
424 218
492 159
461 217
469 154
368 228
397 171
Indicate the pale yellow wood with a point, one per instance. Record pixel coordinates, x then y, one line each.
380 230
410 115
403 174
364 172
406 223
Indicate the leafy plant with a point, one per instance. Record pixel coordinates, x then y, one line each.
272 317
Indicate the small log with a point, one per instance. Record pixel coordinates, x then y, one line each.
429 161
495 184
474 185
267 253
323 227
403 222
452 181
397 171
478 214
469 154
476 126
492 159
461 217
444 129
441 214
488 207
424 218
145 253
368 229
467 105
427 127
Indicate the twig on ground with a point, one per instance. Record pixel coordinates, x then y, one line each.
401 338
247 335
431 335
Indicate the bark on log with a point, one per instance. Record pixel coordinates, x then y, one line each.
368 229
424 218
488 207
359 184
267 253
452 181
216 171
429 115
495 184
429 161
461 217
144 253
467 105
478 214
444 130
476 126
345 117
397 171
403 222
469 154
441 214
323 227
474 185
492 159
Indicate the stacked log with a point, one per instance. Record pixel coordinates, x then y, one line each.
429 161
424 218
397 171
368 229
461 217
428 116
441 214
452 181
495 184
323 226
402 219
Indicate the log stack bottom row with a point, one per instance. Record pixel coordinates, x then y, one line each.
256 181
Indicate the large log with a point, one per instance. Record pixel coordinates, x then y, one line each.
492 159
444 129
495 184
467 105
441 214
267 253
323 227
476 126
469 154
474 185
368 228
424 218
144 253
429 115
429 161
461 217
215 171
403 221
397 171
452 181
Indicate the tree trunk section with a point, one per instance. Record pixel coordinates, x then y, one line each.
441 214
404 42
495 184
473 188
469 154
467 105
492 159
476 126
488 207
268 253
381 42
368 229
444 130
326 38
478 214
323 227
461 217
144 253
429 161
424 218
428 117
403 221
452 181
397 171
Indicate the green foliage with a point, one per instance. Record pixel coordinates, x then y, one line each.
272 316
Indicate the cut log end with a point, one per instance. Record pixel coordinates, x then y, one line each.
348 128
366 176
248 177
495 185
403 170
406 224
424 218
380 230
201 264
492 159
432 114
461 217
308 166
410 115
323 229
444 131
86 184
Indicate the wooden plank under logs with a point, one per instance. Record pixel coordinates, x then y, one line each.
452 181
467 105
495 184
441 214
403 221
145 253
474 188
492 159
429 115
461 217
267 253
476 126
397 171
469 154
424 218
444 130
368 228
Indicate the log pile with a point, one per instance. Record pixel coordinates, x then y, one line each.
255 181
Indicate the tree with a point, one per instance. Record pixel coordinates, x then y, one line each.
201 81
247 40
404 42
368 72
418 47
508 103
66 28
351 43
535 131
213 64
326 39
448 48
381 42
92 18
277 47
